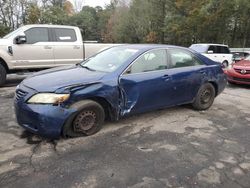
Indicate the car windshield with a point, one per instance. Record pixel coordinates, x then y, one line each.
199 48
12 33
109 60
247 58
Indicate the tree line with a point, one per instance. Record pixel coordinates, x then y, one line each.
178 22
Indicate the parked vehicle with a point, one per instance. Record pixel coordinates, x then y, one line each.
129 79
43 46
240 72
216 52
238 56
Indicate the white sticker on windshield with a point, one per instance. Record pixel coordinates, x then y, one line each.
65 38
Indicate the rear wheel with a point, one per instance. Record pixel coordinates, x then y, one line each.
205 97
3 75
87 121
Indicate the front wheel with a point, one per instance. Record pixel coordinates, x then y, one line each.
225 64
87 121
205 97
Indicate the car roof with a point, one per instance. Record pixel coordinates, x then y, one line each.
49 26
209 44
150 46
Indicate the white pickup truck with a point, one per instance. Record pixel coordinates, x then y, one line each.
34 47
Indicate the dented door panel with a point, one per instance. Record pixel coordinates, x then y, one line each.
145 91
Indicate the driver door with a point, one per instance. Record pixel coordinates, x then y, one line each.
36 52
145 85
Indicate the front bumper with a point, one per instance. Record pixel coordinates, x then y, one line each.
44 120
238 78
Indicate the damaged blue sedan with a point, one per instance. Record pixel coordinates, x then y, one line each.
75 100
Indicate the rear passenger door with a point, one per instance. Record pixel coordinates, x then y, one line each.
67 49
187 73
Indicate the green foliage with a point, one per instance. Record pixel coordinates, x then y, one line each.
180 22
4 30
86 20
54 15
33 14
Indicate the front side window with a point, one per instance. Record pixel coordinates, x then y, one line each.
212 48
35 35
65 35
150 61
180 58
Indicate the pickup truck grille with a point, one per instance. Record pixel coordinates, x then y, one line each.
20 94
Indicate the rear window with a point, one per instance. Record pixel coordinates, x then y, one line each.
65 35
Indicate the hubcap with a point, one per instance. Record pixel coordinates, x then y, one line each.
206 96
84 121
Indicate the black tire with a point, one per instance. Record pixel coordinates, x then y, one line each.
3 75
225 64
205 97
87 121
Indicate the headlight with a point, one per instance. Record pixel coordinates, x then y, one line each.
48 98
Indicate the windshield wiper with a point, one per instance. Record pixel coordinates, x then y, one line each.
86 67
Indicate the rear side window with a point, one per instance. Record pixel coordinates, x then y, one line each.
180 58
224 50
35 35
65 35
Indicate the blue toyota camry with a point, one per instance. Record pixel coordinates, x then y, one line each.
75 100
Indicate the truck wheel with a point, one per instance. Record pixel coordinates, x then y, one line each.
87 121
205 97
3 74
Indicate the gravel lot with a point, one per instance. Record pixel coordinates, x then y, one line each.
176 147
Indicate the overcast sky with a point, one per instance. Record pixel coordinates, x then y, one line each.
92 3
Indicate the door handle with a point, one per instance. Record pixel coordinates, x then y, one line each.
76 47
203 72
48 47
166 77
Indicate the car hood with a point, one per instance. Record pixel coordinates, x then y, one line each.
244 64
4 42
53 79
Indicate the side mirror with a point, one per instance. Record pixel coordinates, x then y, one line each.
210 51
21 39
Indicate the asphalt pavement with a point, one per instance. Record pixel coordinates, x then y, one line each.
175 147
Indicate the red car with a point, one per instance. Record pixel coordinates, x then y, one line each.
240 72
